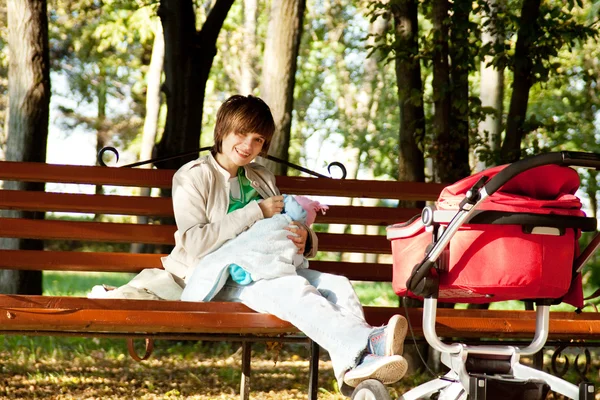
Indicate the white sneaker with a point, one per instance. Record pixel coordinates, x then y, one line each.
389 340
386 369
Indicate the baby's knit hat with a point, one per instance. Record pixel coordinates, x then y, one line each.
311 207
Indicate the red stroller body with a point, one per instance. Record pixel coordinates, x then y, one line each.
508 233
507 250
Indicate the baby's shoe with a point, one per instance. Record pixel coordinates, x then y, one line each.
388 369
389 340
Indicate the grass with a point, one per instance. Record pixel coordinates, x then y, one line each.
92 368
79 283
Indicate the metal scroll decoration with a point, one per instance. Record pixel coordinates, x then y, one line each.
581 367
190 153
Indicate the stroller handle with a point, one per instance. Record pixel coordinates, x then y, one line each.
563 158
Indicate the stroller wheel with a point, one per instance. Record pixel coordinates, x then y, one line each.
371 389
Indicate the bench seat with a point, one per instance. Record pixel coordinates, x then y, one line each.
149 318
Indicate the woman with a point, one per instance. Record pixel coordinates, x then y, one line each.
220 195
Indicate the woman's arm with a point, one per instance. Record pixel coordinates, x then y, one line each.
197 233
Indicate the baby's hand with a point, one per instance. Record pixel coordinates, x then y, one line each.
271 206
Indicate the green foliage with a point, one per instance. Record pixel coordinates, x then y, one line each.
558 27
341 92
376 294
591 271
101 48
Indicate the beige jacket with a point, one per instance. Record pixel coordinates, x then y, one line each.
201 200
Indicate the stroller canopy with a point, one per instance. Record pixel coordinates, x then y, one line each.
549 189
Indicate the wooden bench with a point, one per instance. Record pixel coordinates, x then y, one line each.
51 315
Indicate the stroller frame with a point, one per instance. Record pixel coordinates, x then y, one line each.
458 383
474 368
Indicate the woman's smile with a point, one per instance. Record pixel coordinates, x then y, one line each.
239 149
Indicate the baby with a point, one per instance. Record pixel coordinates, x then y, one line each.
298 208
262 252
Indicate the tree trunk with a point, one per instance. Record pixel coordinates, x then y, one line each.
441 151
522 82
153 102
3 135
279 73
189 55
248 56
102 133
29 97
153 95
459 74
366 106
411 161
492 93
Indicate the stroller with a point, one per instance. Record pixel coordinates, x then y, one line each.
508 233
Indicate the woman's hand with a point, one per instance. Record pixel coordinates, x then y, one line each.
299 235
271 206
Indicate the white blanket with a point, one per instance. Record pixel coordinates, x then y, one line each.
264 251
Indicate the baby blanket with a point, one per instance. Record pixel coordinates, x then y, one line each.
264 251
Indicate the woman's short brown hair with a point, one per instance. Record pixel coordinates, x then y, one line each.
244 114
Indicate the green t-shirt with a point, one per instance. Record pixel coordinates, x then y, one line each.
247 192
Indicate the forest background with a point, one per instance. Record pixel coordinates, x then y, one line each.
410 90
413 90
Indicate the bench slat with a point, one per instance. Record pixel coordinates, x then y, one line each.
157 234
127 262
50 313
83 174
85 203
161 206
377 244
86 230
141 177
78 261
476 324
371 189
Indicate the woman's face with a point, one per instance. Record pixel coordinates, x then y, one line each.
238 149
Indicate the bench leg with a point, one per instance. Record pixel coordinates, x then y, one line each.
313 370
246 358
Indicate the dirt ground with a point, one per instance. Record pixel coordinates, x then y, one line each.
169 374
210 370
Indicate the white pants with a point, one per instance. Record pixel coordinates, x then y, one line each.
323 306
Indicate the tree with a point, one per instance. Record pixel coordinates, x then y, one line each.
279 72
411 163
153 94
491 86
189 55
99 47
529 32
544 29
450 146
249 52
441 88
461 56
29 97
153 104
3 79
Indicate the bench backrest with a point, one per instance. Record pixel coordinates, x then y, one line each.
121 204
